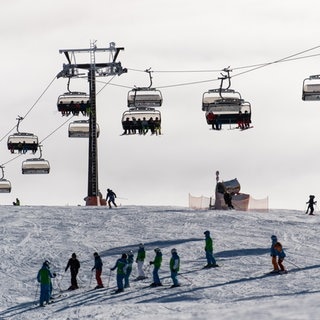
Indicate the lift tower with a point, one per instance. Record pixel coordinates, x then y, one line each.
94 69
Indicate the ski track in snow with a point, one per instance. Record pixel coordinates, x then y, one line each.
240 288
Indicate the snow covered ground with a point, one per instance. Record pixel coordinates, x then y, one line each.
239 289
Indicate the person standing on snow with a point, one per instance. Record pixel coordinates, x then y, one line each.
130 259
174 267
120 265
140 261
273 253
74 265
281 255
110 197
310 203
44 278
156 267
98 267
211 262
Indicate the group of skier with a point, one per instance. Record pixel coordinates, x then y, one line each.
123 267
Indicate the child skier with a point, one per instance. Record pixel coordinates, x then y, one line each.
211 262
310 203
44 278
174 267
74 265
281 255
98 266
121 271
156 266
273 253
130 260
140 261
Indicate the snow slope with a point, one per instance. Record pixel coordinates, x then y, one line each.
239 289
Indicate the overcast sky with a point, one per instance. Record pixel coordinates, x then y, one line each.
278 158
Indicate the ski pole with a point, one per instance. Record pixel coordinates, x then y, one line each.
109 278
293 264
185 278
35 297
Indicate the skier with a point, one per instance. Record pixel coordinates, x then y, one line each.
44 278
156 266
273 253
174 267
211 262
310 203
130 259
98 266
110 197
74 265
121 271
281 255
228 200
140 261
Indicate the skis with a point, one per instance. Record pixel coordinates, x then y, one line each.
209 266
276 272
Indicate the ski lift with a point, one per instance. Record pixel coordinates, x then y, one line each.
80 129
311 88
5 185
73 102
22 141
145 97
225 106
133 118
36 165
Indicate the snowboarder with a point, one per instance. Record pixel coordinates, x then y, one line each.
140 261
156 267
110 197
74 265
228 200
98 267
273 253
310 203
281 255
120 265
44 278
174 267
130 259
211 262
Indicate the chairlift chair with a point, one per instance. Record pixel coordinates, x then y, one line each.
73 102
5 185
80 129
311 88
144 98
23 142
35 166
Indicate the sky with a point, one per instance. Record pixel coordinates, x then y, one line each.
240 288
277 158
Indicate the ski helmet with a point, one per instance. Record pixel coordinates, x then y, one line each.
174 250
73 255
124 256
141 245
207 232
130 253
157 250
47 263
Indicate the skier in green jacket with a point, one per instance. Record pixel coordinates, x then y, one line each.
156 266
211 262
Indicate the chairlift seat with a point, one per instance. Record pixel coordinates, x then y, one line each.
73 102
23 141
5 186
80 129
35 166
147 98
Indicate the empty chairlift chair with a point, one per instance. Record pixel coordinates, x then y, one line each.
80 129
5 185
311 88
144 98
35 166
73 103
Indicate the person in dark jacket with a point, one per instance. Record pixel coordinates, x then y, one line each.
310 203
98 267
228 200
74 265
110 197
273 253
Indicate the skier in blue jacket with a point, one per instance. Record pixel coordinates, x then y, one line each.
273 253
130 259
174 267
